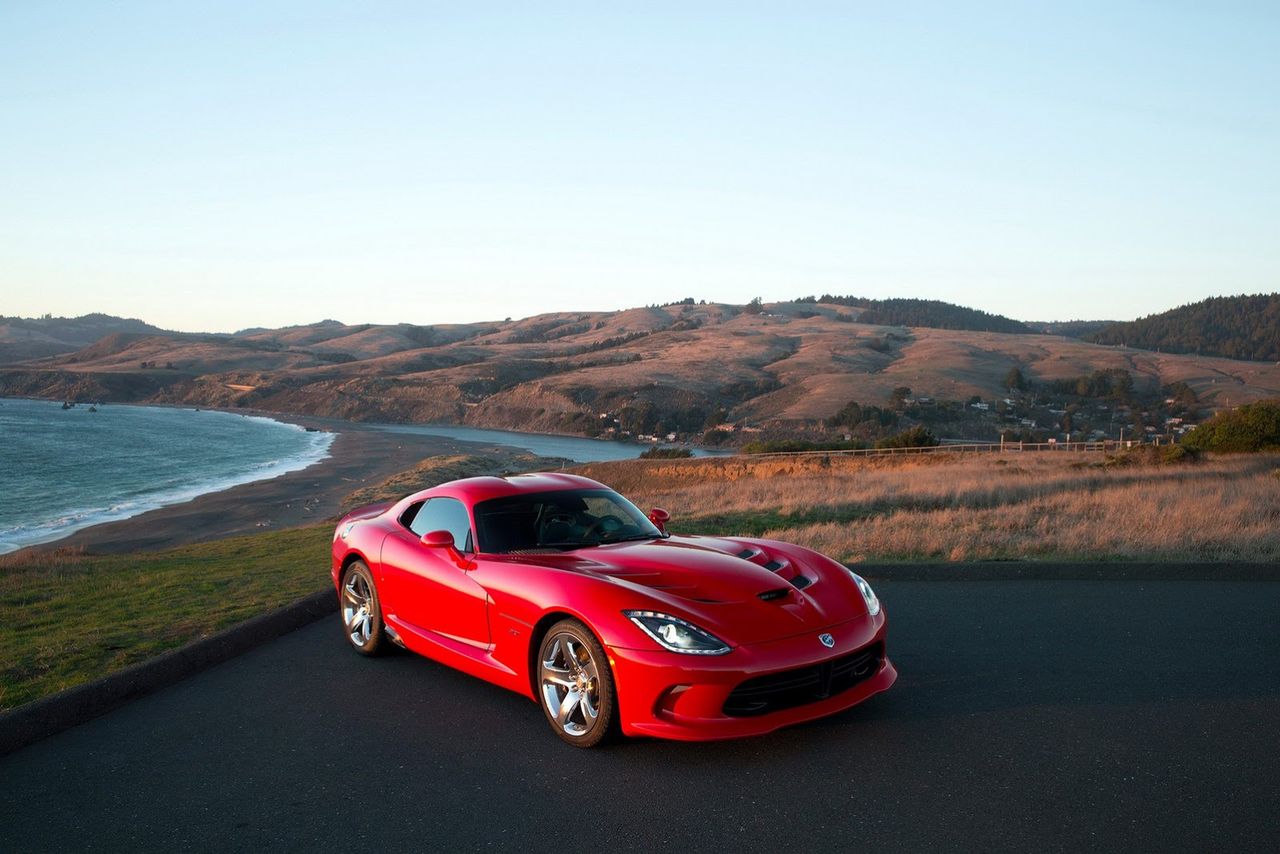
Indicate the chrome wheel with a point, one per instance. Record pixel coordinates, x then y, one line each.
570 679
357 609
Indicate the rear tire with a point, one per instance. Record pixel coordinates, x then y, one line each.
361 611
575 685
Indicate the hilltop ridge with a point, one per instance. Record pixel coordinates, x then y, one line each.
686 368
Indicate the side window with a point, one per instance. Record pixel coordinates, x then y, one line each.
444 514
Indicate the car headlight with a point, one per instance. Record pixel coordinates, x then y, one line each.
676 635
869 595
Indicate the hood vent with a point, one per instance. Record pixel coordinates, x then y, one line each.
770 595
801 582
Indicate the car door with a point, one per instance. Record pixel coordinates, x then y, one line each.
425 590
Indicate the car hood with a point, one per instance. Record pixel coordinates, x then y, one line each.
745 591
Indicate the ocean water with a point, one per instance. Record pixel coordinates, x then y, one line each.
575 448
64 470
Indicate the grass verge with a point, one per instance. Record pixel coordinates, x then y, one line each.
68 618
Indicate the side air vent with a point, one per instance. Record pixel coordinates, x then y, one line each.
770 595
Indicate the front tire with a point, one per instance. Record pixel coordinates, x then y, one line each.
361 611
575 685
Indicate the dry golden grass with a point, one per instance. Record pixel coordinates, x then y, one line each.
973 507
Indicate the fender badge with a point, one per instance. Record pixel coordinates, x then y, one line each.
827 640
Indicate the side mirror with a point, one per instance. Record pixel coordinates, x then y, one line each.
444 540
438 540
659 518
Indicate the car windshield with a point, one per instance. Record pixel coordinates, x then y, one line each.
556 521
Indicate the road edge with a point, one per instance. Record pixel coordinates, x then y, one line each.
39 719
1068 571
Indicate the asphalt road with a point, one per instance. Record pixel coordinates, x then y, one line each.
1030 715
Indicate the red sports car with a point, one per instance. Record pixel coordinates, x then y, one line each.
557 587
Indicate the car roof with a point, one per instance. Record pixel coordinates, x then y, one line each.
472 490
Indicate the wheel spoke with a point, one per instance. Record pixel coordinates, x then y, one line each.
567 705
357 614
557 676
588 708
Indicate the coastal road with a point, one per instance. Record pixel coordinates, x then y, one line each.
1030 715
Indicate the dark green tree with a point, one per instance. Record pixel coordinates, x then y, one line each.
1249 428
917 437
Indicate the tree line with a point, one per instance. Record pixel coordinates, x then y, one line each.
1239 327
930 313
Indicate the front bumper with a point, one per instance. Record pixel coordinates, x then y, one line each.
682 697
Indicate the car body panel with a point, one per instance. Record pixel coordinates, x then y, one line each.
483 613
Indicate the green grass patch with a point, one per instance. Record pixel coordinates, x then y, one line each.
754 523
66 619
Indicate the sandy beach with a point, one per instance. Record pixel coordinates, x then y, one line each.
360 456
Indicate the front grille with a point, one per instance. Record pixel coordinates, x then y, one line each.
803 685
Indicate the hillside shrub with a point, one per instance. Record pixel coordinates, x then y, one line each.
1249 428
666 454
917 437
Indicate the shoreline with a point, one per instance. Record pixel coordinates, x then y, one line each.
357 456
360 454
315 453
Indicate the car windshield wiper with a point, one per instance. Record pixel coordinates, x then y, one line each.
630 538
582 544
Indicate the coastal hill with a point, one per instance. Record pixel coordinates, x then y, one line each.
24 338
682 368
1241 327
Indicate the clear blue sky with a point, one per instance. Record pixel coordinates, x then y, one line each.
217 166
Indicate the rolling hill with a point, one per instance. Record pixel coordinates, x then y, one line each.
1239 327
24 338
680 368
934 314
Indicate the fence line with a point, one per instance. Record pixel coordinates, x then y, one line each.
966 447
